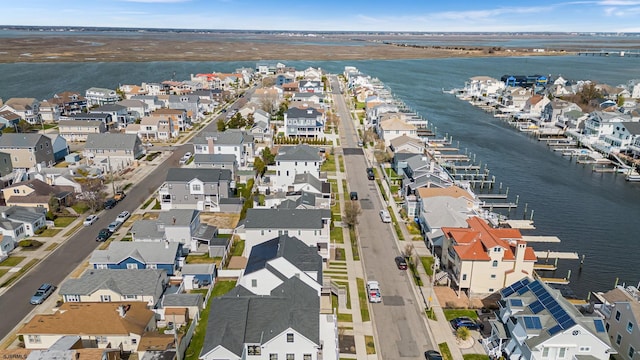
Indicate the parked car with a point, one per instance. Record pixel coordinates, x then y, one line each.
401 262
384 216
432 355
185 157
373 291
353 195
103 235
119 196
114 226
370 174
90 220
465 321
110 203
360 144
123 216
43 292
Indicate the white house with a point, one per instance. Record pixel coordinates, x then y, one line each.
395 127
294 160
230 142
101 96
620 308
21 221
304 122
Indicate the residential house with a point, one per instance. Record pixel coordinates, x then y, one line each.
79 130
294 160
309 225
152 102
516 97
135 108
21 221
272 262
481 259
374 114
217 161
113 152
230 142
623 136
189 103
305 122
554 112
27 108
268 67
192 302
178 117
308 97
27 149
49 112
104 325
35 193
119 115
59 146
152 128
535 322
620 308
282 79
311 86
407 144
69 102
6 166
287 324
198 189
66 351
176 225
395 127
135 255
308 183
100 96
483 86
418 171
107 285
105 118
534 107
130 91
9 119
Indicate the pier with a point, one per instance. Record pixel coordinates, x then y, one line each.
541 239
609 53
556 255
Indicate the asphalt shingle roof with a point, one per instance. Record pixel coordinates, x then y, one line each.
298 153
122 281
19 140
111 141
146 252
286 219
182 300
205 175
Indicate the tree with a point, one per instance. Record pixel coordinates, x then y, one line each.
268 100
237 121
221 125
250 120
463 333
54 204
268 157
351 212
588 93
23 126
92 192
620 100
259 166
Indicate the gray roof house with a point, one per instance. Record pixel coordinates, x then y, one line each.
190 103
286 322
27 150
307 122
119 115
100 96
232 141
217 161
272 262
138 255
198 189
78 130
193 302
117 285
21 221
112 151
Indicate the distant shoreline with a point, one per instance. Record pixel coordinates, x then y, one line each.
72 48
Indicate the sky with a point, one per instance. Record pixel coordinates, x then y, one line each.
333 15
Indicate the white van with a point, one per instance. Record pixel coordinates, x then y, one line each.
384 215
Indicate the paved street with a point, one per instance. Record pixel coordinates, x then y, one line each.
398 321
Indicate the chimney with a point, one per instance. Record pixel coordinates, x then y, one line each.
166 244
4 215
121 310
174 220
160 226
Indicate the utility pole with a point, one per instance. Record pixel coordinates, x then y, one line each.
113 184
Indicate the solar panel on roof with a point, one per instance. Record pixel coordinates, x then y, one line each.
567 324
516 302
532 322
536 307
599 325
554 330
514 287
523 290
528 323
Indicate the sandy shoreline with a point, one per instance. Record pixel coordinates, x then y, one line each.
139 49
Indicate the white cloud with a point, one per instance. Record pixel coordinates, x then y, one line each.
618 3
157 1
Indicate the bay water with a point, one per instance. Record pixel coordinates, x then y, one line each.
594 214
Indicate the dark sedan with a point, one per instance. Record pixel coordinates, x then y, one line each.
103 235
401 263
465 321
432 355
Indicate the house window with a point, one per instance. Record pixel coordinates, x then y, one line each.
72 298
629 327
132 266
261 232
101 339
291 356
618 339
105 298
35 339
464 277
101 266
131 296
152 266
306 357
493 276
289 337
631 352
494 263
254 283
253 349
562 352
196 187
273 356
585 349
607 326
491 290
617 315
134 341
16 191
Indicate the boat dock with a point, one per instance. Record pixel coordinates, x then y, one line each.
609 53
520 224
545 267
556 255
559 281
541 239
491 196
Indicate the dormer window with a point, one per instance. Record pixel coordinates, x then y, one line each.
253 349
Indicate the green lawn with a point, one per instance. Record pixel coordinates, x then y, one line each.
49 232
345 318
336 235
329 164
454 313
444 351
238 248
340 163
371 345
427 263
80 207
202 259
362 295
193 351
64 221
12 261
3 271
354 244
475 357
19 273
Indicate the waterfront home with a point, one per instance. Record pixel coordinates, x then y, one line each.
442 207
113 152
118 325
620 308
285 324
304 122
394 127
28 109
36 193
560 90
555 110
534 107
269 67
622 138
27 149
293 160
6 167
69 102
179 118
515 97
152 102
8 119
536 322
217 161
152 128
482 86
309 225
418 171
138 255
198 189
21 221
272 262
374 113
598 125
115 285
634 148
130 91
135 108
481 260
230 142
49 112
79 130
308 97
407 144
119 114
100 96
